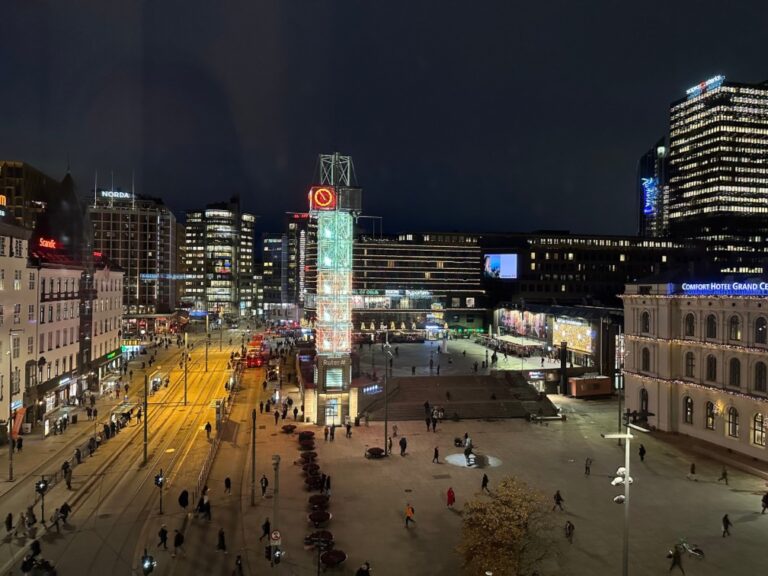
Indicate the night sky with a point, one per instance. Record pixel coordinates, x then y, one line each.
476 115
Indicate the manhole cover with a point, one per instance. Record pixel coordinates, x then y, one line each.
441 476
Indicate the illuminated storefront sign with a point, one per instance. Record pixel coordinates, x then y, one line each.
759 288
322 198
47 243
705 86
3 202
116 195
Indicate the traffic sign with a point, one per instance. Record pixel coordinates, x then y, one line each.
274 538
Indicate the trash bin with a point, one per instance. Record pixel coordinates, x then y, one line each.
74 418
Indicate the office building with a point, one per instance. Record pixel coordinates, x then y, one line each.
653 191
274 262
695 360
26 190
219 261
107 316
718 177
138 235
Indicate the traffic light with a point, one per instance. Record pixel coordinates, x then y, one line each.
148 563
159 479
41 486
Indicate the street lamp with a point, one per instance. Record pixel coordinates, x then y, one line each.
623 477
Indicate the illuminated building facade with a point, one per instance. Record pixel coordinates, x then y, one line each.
697 359
718 177
335 205
653 191
26 190
219 261
138 234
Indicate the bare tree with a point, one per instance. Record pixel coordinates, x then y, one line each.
510 533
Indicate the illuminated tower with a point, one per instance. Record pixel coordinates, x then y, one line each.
335 203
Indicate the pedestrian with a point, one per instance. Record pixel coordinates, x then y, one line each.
426 408
726 526
88 412
208 429
764 502
9 522
266 528
326 431
403 445
178 542
389 445
434 424
333 432
349 429
558 501
35 549
64 511
587 466
221 544
264 483
261 407
485 484
428 421
692 472
55 520
677 559
163 535
409 513
328 485
277 416
435 456
450 497
78 455
21 525
68 478
207 508
95 413
724 475
641 451
569 528
19 443
413 370
228 485
138 417
238 566
296 414
394 430
364 570
184 499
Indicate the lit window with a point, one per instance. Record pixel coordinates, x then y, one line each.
688 410
710 420
758 430
733 422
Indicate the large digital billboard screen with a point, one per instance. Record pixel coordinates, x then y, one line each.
577 333
501 266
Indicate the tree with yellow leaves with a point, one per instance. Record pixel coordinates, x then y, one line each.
509 533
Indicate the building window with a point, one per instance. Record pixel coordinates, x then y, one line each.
31 313
760 377
734 328
733 422
758 430
710 421
711 368
646 360
690 325
711 326
761 327
645 323
17 313
688 410
690 364
30 345
734 373
31 280
17 279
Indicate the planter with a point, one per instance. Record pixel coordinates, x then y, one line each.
289 428
308 456
306 435
313 482
323 536
319 518
319 500
311 467
307 445
375 453
333 558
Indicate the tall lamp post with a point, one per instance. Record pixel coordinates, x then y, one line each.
623 477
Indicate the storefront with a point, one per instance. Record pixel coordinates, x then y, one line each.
58 397
110 362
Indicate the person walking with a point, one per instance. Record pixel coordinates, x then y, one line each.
228 485
677 559
389 445
78 456
587 466
21 525
20 443
326 431
764 502
68 478
403 445
163 535
277 416
726 526
484 486
428 422
450 497
641 451
221 544
296 415
208 429
9 522
327 487
261 407
349 429
692 472
569 529
266 528
55 517
364 570
724 475
264 483
65 511
178 542
436 456
333 432
558 501
238 566
409 513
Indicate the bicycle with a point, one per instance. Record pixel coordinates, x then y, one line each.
691 549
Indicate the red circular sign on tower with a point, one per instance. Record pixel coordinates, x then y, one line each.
322 198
